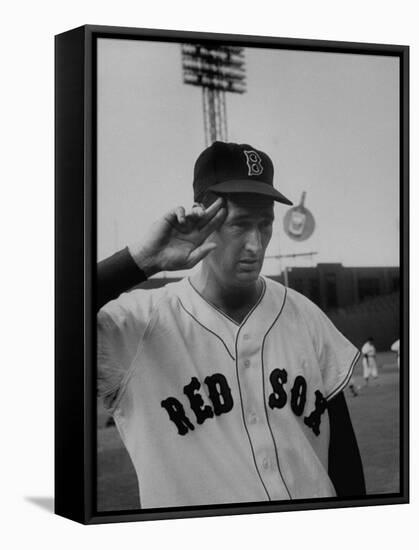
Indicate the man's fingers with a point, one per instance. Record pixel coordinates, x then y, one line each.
213 223
198 210
216 205
197 217
180 214
199 253
194 215
175 216
198 223
212 211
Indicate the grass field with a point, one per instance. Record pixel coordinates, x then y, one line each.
375 416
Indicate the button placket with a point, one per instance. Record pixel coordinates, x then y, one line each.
250 375
252 418
266 464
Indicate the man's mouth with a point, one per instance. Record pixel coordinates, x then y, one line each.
249 262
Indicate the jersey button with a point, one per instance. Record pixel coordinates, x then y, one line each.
252 418
246 336
246 363
265 463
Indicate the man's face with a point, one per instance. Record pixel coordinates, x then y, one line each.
242 240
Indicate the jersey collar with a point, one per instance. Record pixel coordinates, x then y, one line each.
253 327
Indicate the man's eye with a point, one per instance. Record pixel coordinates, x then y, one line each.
241 225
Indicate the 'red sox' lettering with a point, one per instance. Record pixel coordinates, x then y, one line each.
219 394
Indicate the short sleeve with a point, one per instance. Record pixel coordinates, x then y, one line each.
121 325
336 355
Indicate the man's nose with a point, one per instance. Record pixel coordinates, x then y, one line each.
253 241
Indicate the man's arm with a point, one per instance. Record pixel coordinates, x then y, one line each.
345 465
176 241
115 275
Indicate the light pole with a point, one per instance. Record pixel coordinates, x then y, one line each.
217 70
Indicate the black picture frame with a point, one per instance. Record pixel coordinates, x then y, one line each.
75 248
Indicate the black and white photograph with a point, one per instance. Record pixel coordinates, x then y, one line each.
248 249
208 273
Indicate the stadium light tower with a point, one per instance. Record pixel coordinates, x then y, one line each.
217 70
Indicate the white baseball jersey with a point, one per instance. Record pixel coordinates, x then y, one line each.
212 411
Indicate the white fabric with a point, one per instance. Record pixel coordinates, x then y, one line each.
153 343
395 346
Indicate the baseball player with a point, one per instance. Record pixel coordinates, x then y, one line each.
369 364
395 347
226 387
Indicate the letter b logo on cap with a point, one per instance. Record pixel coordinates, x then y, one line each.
254 163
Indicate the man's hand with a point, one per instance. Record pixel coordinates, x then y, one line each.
178 240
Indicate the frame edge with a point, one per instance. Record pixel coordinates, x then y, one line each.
69 275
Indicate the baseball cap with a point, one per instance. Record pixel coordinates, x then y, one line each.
235 168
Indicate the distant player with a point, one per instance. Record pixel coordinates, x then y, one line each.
369 364
395 347
226 387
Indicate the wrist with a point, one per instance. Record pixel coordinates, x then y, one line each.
145 261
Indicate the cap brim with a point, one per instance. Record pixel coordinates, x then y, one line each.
245 186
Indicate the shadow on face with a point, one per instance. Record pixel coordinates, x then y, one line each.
242 239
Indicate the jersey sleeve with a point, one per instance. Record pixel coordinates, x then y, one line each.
336 355
121 325
116 274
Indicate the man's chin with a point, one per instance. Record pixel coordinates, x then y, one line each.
247 277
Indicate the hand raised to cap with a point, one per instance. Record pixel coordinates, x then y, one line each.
178 239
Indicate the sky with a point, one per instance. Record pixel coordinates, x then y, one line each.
330 123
